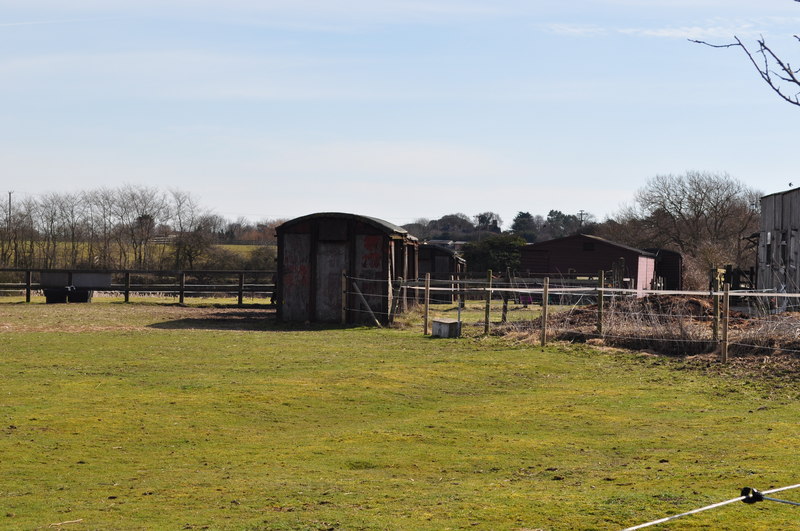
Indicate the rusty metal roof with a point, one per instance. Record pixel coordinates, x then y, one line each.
595 238
385 226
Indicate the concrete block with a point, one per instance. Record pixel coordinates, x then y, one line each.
445 328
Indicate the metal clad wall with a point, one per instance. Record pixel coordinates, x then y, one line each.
296 281
765 279
778 243
792 271
331 261
369 266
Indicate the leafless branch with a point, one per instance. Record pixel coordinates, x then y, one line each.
776 72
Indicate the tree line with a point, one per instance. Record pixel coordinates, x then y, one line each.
531 228
129 227
711 219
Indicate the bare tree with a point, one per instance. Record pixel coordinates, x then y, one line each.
139 211
101 227
71 212
706 217
778 73
193 229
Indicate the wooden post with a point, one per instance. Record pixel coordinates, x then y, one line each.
427 302
241 289
600 285
462 296
366 304
545 297
127 286
182 282
715 302
396 289
504 312
488 308
28 286
726 305
344 297
404 296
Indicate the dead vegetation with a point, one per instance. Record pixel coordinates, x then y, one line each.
679 326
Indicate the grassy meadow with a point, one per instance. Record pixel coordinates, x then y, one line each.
158 416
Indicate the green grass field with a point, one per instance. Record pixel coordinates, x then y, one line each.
144 416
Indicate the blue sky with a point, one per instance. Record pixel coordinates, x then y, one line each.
394 109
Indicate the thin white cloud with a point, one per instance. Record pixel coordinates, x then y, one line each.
578 30
50 22
711 29
283 11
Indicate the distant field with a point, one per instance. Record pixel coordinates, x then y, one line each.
144 416
243 250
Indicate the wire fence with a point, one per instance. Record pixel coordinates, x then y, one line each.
728 322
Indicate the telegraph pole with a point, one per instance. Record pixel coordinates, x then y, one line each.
8 216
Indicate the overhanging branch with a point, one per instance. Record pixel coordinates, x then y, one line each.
777 73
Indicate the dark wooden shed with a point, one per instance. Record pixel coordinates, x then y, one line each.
669 268
440 261
443 263
586 255
314 250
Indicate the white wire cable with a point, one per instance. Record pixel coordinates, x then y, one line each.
695 511
714 506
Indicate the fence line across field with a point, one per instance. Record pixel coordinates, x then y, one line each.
134 281
620 316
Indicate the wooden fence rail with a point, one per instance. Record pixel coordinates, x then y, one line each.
181 283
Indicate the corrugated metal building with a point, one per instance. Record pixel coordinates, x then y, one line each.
586 255
313 251
778 244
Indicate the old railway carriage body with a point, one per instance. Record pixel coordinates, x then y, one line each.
314 250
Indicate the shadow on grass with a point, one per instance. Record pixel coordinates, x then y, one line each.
224 320
246 320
